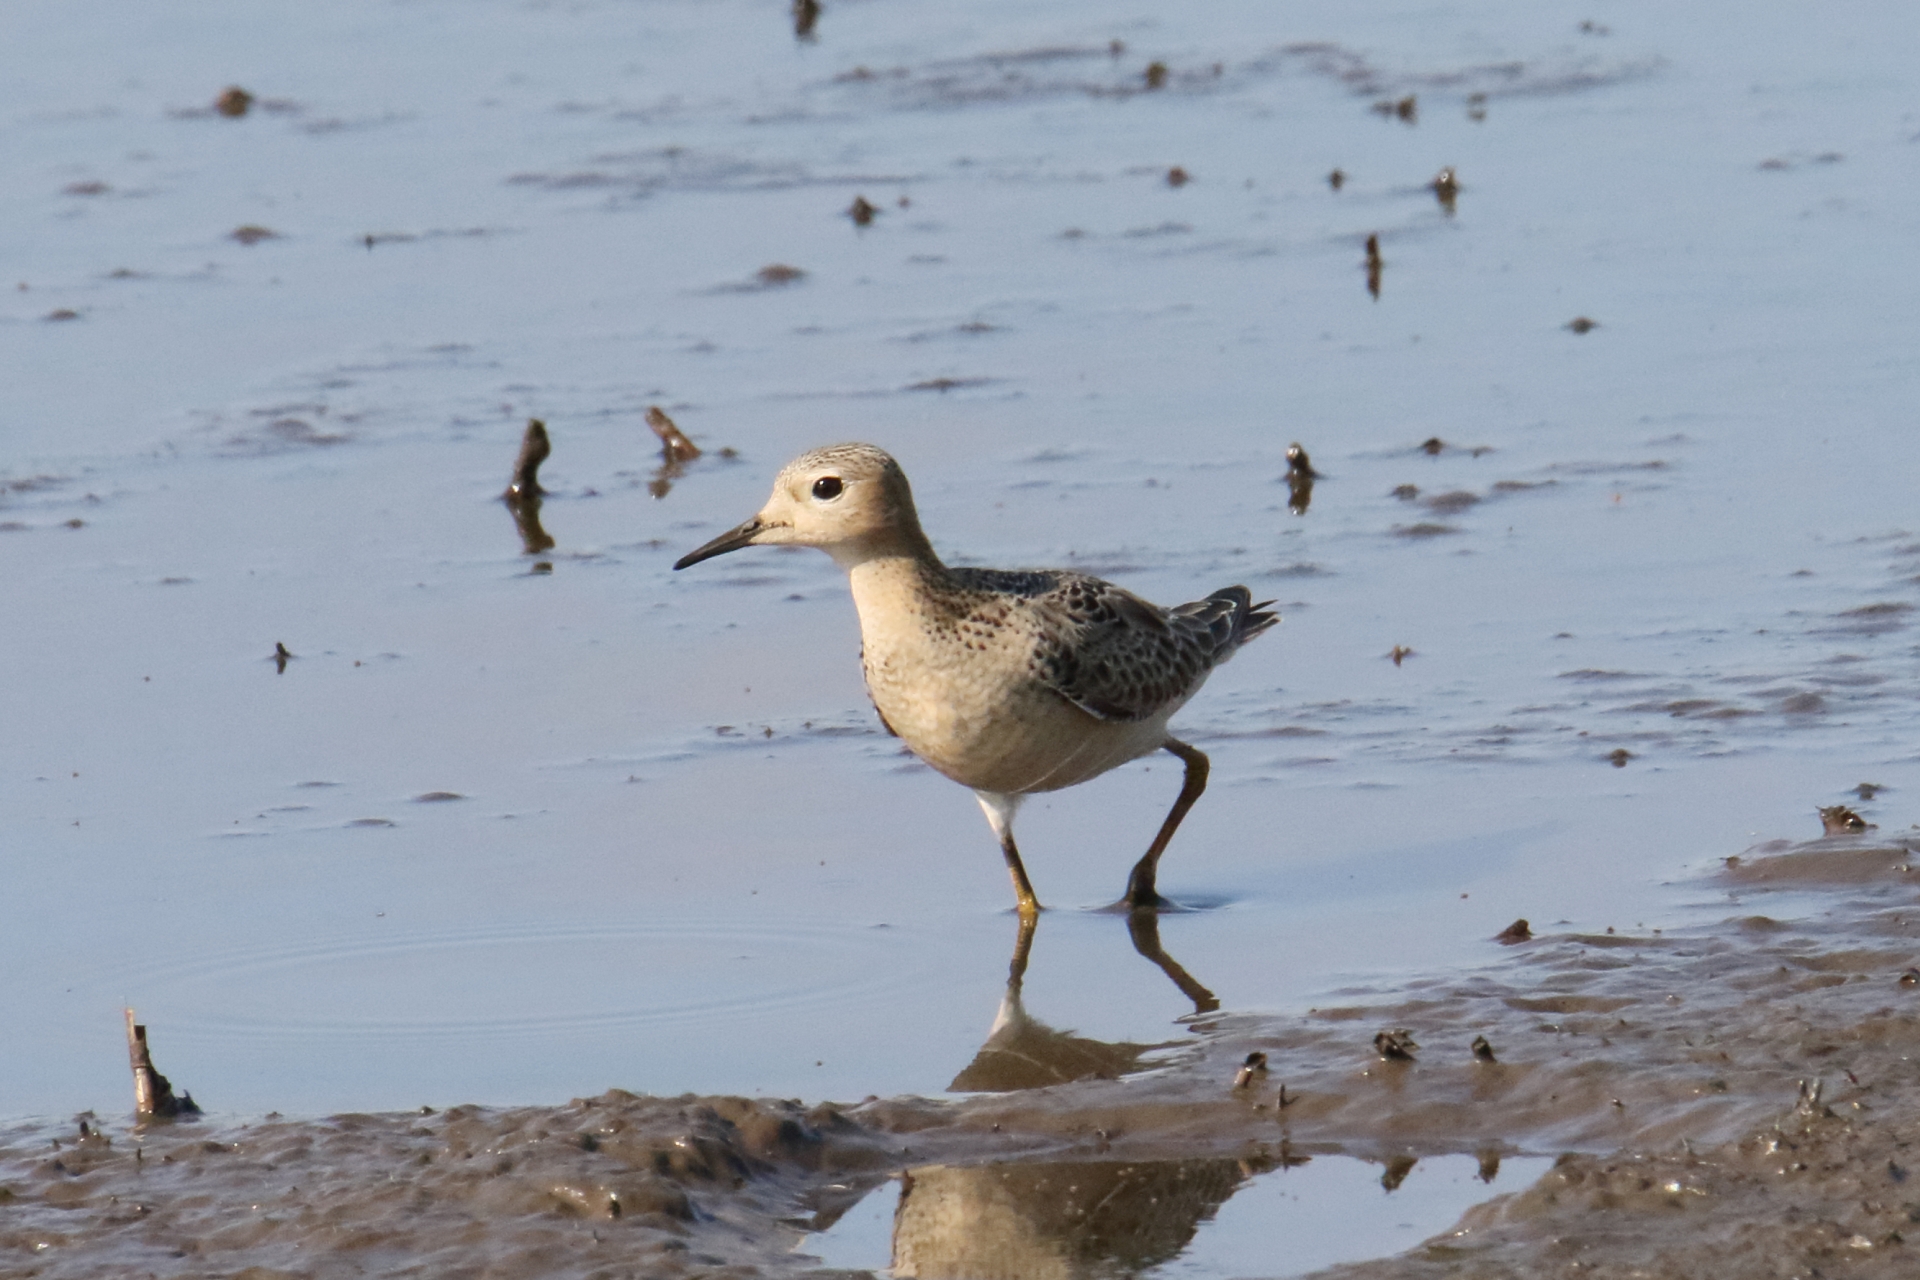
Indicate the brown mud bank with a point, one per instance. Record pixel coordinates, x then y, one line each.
1737 1098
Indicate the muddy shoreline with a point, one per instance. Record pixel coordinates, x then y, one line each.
1739 1098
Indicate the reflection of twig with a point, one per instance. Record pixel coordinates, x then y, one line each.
663 477
1145 928
526 518
676 451
523 492
152 1095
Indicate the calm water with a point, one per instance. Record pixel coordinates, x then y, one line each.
682 855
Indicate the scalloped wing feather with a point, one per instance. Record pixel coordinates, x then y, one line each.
1116 656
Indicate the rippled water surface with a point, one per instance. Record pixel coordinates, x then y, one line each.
510 828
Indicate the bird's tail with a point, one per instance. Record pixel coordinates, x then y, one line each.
1231 617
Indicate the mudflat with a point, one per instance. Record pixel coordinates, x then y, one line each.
1728 1099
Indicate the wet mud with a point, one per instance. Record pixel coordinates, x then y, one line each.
1732 1098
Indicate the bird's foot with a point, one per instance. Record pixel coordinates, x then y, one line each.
1142 894
1135 904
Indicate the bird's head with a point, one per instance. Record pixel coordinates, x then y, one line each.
850 500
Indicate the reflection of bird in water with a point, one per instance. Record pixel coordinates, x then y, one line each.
1008 682
1062 1219
1058 1220
1021 1053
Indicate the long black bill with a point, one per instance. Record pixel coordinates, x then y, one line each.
732 540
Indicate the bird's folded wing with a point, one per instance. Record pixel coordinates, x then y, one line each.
1112 654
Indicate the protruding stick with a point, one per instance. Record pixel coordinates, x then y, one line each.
534 448
143 1073
674 445
805 14
152 1094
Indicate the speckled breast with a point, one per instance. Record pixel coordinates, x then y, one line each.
1015 738
971 706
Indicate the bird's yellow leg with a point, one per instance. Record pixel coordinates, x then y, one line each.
1141 894
999 809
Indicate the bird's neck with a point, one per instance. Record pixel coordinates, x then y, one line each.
893 550
892 585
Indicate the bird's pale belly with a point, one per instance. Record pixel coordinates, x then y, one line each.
1015 737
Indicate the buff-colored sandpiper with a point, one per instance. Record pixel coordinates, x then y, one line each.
1008 682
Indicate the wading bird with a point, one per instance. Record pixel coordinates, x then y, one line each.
1010 682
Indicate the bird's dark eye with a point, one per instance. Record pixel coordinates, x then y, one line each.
826 488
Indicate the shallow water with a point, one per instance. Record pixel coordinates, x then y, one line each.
683 856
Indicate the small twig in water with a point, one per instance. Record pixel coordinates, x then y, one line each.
534 448
674 445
